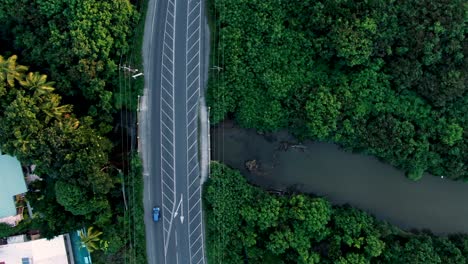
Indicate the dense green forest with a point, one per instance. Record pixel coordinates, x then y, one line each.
386 78
246 224
69 112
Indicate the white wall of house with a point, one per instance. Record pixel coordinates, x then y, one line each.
41 251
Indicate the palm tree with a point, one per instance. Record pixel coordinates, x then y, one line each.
10 71
52 108
38 83
90 239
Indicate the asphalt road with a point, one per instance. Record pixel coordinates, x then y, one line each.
169 129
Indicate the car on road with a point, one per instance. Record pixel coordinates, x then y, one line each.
156 214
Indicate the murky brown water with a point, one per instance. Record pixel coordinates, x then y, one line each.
362 181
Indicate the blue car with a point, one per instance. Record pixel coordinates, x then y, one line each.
156 214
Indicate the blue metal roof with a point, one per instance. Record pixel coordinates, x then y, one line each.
12 183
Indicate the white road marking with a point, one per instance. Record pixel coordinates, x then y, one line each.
194 105
165 207
195 7
195 32
196 228
167 197
197 252
195 205
167 186
193 45
194 192
192 158
193 119
169 48
172 73
192 59
196 79
168 163
191 172
196 19
196 216
196 240
162 145
194 142
192 183
169 82
194 68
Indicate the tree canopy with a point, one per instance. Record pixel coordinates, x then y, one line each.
78 43
245 224
387 78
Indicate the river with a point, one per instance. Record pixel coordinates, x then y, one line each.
342 177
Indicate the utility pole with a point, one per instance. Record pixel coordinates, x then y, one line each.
217 68
128 68
136 75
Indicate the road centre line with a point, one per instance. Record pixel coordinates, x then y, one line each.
166 37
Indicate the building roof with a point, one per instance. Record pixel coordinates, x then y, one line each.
41 251
12 179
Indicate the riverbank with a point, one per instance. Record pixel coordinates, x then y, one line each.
362 181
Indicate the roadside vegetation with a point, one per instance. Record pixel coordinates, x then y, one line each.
385 78
71 112
246 224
